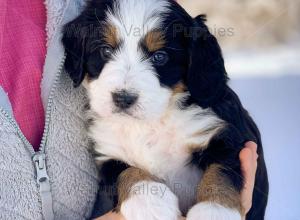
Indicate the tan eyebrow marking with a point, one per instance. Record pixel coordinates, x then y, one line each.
110 34
154 40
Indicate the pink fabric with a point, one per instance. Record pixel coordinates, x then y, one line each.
22 55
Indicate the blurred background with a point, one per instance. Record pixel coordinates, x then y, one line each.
261 45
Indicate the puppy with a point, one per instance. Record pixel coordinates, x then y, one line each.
166 128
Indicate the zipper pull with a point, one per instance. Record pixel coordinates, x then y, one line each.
40 165
42 179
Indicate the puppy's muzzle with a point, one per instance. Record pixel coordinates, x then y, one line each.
124 99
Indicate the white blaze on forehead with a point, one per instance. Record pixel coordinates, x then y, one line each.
134 18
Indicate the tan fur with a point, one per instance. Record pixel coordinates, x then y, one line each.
129 178
214 129
87 80
215 187
195 148
154 40
111 36
179 88
210 131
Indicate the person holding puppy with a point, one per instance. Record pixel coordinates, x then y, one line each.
46 169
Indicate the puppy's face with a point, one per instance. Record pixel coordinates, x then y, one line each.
140 62
133 55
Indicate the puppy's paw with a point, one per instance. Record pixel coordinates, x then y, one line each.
212 211
150 201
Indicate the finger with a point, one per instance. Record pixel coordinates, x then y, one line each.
253 147
248 158
114 216
111 216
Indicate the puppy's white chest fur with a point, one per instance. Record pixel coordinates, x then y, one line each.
160 146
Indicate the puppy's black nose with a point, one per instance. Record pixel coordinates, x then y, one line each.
124 99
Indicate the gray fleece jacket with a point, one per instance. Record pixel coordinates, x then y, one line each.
60 181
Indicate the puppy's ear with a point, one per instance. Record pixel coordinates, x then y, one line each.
207 76
74 36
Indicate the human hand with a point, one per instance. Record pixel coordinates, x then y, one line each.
114 216
111 216
248 158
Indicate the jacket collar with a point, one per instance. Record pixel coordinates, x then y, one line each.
59 12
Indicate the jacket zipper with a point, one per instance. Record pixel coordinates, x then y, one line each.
49 106
39 158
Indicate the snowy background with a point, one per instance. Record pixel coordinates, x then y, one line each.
263 61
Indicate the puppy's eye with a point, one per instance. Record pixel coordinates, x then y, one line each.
106 52
160 58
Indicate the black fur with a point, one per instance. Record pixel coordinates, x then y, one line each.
107 195
229 108
81 38
195 59
207 83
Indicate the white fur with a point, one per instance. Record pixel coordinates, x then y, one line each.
161 146
134 18
212 211
158 146
150 201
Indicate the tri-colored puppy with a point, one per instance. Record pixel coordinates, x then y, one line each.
166 128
